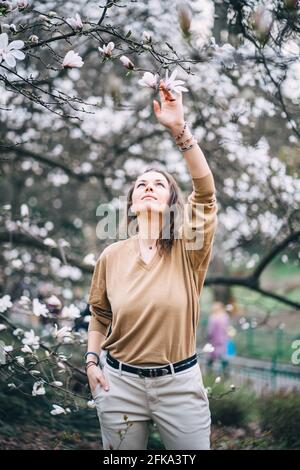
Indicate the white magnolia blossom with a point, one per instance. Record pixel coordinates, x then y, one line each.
107 50
54 301
64 331
58 410
9 27
218 380
127 62
3 327
8 348
147 36
149 80
26 349
34 39
39 309
20 360
91 404
89 259
72 59
50 242
38 389
72 312
76 22
22 4
31 340
172 84
225 55
5 303
9 52
208 348
56 383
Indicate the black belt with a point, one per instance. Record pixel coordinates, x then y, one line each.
152 372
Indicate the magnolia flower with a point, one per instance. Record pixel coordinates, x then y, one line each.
127 62
225 55
218 380
76 22
72 312
147 36
5 303
49 242
10 52
22 4
208 348
38 389
18 332
26 349
107 50
72 59
172 84
39 309
31 340
56 383
8 348
3 327
20 360
91 404
57 410
149 80
34 39
89 259
9 27
64 331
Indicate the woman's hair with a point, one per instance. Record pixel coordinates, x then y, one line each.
164 245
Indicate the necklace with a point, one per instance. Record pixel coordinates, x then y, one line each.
150 247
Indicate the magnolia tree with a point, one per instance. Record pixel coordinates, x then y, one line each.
77 127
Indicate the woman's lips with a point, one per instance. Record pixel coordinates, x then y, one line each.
151 197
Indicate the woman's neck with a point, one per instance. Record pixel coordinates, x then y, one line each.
149 227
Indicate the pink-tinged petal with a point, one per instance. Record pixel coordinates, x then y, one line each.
173 74
3 40
10 60
15 45
178 82
18 55
180 88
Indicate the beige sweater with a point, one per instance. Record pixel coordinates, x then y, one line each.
154 308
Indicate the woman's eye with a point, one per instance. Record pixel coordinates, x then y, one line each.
161 184
140 184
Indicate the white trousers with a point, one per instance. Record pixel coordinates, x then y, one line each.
176 402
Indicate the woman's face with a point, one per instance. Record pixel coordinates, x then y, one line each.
151 193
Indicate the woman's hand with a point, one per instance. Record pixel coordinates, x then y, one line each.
170 113
95 377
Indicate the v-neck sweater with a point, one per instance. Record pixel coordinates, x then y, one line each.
153 308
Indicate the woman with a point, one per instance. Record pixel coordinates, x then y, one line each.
145 291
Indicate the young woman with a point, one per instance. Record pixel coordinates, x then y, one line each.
145 291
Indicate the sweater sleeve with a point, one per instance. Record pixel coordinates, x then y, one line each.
200 221
100 307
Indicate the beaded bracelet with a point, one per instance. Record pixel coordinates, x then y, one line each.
182 132
183 149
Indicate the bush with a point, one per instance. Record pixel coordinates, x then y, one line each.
235 408
280 415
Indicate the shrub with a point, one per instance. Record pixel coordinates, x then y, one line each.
280 415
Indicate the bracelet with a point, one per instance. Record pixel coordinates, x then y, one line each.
182 132
89 364
183 149
95 354
187 140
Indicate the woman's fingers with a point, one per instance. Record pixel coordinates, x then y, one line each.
165 94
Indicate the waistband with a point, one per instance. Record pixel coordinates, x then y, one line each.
152 371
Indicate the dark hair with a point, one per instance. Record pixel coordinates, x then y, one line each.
164 245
